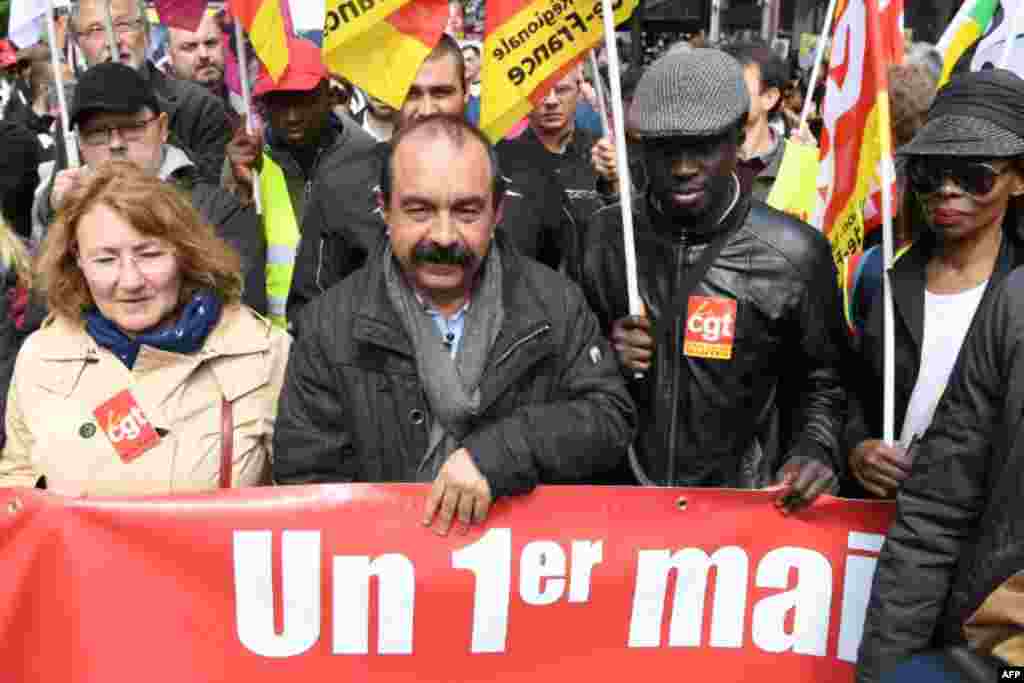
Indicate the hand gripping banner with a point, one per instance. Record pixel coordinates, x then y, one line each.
343 583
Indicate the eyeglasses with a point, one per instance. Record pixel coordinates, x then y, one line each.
132 132
973 177
149 262
96 32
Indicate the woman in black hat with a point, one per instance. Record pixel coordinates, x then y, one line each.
965 169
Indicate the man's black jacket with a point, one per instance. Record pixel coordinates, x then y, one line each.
729 422
959 527
582 191
197 120
344 224
554 407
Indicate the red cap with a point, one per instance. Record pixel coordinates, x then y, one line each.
305 70
8 57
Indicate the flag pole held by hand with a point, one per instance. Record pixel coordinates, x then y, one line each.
622 161
243 77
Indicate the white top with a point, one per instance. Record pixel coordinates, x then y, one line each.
947 317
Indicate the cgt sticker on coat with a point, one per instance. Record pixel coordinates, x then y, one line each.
710 327
127 427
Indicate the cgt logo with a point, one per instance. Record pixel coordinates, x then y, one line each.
126 426
710 327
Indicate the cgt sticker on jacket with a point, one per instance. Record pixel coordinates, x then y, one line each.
127 427
710 327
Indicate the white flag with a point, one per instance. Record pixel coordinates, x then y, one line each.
27 23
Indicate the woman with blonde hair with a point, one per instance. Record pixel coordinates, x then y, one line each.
149 376
15 279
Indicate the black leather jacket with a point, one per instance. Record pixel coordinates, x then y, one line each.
554 408
957 535
730 423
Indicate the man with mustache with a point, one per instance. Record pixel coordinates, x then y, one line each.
343 222
450 357
735 363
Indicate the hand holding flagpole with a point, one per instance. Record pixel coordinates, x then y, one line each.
243 77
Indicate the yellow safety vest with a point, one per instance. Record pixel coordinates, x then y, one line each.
282 233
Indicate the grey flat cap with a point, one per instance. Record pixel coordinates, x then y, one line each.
698 92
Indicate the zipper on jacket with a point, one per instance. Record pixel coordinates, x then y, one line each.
533 335
676 365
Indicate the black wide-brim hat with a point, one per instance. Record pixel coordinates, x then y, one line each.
977 114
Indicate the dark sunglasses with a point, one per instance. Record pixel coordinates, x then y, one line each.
973 177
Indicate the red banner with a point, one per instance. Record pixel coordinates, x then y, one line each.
573 583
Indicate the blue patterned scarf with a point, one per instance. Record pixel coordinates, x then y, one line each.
187 335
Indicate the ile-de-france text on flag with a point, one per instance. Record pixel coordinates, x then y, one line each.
26 25
380 44
265 23
184 14
970 23
528 46
856 138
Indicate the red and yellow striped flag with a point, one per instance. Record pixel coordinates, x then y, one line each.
856 139
380 44
528 46
264 22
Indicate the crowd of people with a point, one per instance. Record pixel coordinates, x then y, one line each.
392 298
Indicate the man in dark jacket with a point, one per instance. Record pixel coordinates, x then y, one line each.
343 223
450 358
555 145
304 144
197 121
117 116
742 306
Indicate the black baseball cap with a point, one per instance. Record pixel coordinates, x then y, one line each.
112 87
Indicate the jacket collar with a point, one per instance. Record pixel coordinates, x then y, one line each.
377 323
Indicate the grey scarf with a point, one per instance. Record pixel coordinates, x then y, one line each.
451 384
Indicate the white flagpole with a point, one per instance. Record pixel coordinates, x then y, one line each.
889 340
602 105
108 25
625 185
1011 38
243 77
716 22
819 55
70 143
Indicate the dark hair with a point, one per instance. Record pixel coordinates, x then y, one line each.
771 66
471 46
448 47
457 130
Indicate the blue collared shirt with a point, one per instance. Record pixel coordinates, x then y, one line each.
449 328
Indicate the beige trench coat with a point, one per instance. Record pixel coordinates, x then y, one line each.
61 376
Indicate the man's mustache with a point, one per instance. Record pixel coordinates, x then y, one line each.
456 254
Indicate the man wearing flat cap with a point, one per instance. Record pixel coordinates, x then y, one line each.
735 363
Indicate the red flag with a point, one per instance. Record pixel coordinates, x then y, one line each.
856 138
184 14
